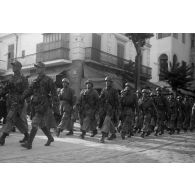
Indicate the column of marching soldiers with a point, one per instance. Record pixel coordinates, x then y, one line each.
128 113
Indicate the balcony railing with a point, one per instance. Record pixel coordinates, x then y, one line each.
52 51
114 61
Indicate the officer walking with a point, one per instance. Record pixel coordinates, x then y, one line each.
45 96
128 105
162 109
109 105
67 101
88 108
15 87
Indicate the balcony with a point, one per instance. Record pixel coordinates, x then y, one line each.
111 61
53 51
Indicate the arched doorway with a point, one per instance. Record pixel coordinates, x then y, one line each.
163 64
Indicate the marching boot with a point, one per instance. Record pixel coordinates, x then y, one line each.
82 136
26 135
49 136
2 138
94 133
178 131
123 135
70 132
28 144
185 130
161 132
148 133
58 132
113 136
102 140
156 133
143 134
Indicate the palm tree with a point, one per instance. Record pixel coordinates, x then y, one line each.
178 76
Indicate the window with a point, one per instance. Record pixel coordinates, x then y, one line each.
174 59
175 35
23 53
163 35
163 62
192 43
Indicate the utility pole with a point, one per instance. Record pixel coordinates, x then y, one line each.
16 46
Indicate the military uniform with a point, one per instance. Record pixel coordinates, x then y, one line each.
172 114
192 118
138 113
180 114
187 107
88 108
109 104
16 116
67 101
148 108
44 98
128 105
162 109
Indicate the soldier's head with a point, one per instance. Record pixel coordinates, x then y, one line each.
89 84
108 81
145 93
138 93
40 68
171 96
65 82
158 91
179 98
127 86
16 66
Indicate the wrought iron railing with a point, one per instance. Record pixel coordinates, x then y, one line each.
115 61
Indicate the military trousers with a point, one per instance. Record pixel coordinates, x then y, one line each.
17 118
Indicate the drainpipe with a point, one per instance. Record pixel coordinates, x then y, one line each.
16 46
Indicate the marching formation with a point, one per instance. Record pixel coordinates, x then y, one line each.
144 112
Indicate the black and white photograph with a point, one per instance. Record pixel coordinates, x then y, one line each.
125 97
97 97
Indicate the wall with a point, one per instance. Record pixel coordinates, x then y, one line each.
26 41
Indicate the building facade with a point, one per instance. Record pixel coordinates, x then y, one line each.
169 47
77 56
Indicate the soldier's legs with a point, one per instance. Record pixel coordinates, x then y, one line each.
22 125
47 132
146 125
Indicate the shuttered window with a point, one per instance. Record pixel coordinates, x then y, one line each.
10 55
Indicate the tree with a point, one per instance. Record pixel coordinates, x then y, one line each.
139 40
178 76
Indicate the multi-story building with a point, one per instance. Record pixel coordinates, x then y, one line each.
166 48
76 56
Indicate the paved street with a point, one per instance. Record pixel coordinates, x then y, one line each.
166 148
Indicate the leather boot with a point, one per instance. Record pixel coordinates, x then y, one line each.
47 132
28 144
102 140
178 131
94 133
70 132
82 136
58 132
113 136
123 135
161 132
2 138
26 135
143 134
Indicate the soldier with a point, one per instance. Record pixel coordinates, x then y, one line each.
3 107
109 104
162 109
67 101
138 113
128 105
187 107
44 97
16 112
148 108
180 114
88 107
172 114
154 116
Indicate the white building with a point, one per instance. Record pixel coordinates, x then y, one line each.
169 47
78 56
